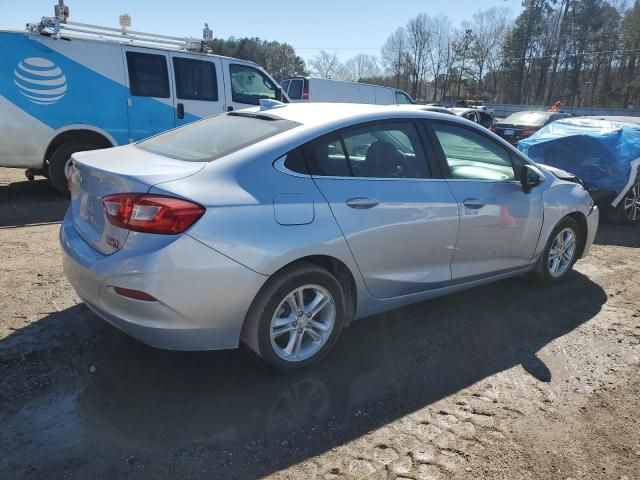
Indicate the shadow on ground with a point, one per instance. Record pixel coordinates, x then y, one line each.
618 235
159 414
28 203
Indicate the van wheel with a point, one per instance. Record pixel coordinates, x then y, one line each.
296 318
561 252
60 161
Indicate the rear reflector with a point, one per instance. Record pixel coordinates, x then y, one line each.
135 294
150 213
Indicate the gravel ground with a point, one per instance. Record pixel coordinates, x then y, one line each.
507 381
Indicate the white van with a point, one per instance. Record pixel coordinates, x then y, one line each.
67 87
311 89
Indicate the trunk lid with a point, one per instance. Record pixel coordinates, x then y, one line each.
98 173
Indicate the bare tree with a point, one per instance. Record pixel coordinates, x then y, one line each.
440 46
488 30
418 40
358 67
394 53
325 64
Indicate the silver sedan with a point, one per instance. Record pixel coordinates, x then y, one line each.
278 226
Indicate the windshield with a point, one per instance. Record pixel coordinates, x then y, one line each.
528 118
215 137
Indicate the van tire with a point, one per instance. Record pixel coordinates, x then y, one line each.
59 159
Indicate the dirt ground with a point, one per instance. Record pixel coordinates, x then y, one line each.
507 381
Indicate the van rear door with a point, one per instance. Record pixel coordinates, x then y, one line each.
150 102
198 86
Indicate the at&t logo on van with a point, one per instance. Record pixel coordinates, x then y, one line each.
40 80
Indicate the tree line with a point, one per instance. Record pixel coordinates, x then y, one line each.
581 52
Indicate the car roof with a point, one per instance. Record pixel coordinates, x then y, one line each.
314 114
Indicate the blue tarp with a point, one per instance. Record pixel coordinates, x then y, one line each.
603 152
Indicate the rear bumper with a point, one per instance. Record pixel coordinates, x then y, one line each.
593 220
203 296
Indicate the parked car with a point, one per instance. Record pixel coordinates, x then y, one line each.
311 89
277 226
604 152
521 125
476 115
62 93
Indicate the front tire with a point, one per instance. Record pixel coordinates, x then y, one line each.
561 252
297 317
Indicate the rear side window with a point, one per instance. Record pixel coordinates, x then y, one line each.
295 89
380 150
295 161
214 137
249 85
195 79
148 76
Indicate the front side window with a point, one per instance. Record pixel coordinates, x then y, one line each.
148 75
295 89
374 151
249 85
472 156
402 98
214 137
195 79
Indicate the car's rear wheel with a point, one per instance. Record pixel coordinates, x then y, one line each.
628 210
561 252
296 318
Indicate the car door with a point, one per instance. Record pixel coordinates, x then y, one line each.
400 223
197 86
246 85
499 223
150 102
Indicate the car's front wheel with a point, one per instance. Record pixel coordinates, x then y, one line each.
561 252
296 318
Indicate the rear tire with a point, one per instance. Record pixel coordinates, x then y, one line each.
60 159
560 254
281 326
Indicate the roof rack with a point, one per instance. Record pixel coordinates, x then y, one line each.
59 24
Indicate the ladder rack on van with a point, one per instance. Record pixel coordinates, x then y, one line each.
54 26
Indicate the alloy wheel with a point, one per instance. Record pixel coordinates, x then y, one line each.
562 252
302 323
631 203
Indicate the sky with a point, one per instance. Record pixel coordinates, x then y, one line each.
347 27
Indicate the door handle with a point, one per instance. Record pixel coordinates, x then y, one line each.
473 203
362 202
180 110
229 108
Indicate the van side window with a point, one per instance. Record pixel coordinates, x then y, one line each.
402 98
148 75
195 79
249 85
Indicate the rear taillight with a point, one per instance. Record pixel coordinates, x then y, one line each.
305 90
493 128
527 132
150 213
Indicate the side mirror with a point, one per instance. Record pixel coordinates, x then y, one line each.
530 178
278 93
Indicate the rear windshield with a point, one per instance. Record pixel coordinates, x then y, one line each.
528 118
215 137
